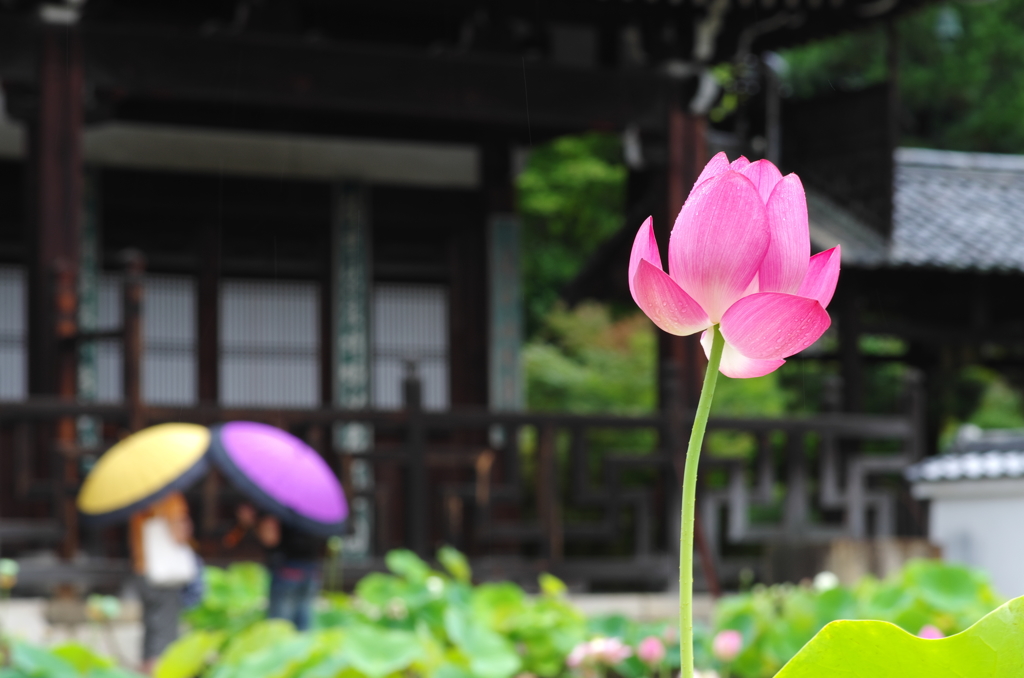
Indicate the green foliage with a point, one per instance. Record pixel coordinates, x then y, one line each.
777 621
70 660
571 198
234 598
760 397
586 361
1000 406
416 620
980 396
993 648
188 656
422 622
961 73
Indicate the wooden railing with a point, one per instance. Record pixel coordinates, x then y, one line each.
591 498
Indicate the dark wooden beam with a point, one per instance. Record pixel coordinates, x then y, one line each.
244 71
687 154
208 314
468 303
55 182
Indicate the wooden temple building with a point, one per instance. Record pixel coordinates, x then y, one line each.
303 212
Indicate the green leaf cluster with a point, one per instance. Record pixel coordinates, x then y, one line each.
961 73
416 619
571 198
70 660
777 621
584 360
234 598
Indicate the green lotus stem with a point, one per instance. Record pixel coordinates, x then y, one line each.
700 424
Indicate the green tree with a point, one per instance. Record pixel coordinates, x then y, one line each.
961 73
571 198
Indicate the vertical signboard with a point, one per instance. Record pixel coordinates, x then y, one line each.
351 265
506 310
89 308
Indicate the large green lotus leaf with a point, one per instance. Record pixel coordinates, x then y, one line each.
376 652
490 654
407 564
189 655
40 663
255 638
992 648
283 659
81 657
455 563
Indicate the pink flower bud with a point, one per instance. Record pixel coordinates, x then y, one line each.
931 632
610 651
576 657
651 651
727 645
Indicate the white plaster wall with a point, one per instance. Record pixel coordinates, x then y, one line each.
985 532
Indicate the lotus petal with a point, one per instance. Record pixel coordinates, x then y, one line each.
664 302
717 165
739 164
645 248
719 242
735 365
822 276
785 264
770 325
764 175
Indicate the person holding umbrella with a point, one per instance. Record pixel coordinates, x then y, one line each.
293 558
140 479
302 500
160 537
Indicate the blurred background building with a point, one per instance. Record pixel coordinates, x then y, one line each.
317 214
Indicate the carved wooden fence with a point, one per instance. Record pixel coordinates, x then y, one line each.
593 499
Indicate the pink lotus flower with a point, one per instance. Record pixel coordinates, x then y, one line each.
577 656
651 651
739 257
727 645
608 651
931 632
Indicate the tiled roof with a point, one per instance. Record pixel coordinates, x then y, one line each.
969 466
951 210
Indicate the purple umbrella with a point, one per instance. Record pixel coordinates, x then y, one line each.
281 474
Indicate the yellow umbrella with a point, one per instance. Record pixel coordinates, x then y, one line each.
142 468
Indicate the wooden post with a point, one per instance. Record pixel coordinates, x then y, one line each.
54 182
418 507
687 154
132 352
55 201
549 508
208 313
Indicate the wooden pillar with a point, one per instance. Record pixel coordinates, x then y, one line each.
681 358
55 178
208 312
55 190
468 316
132 345
89 267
